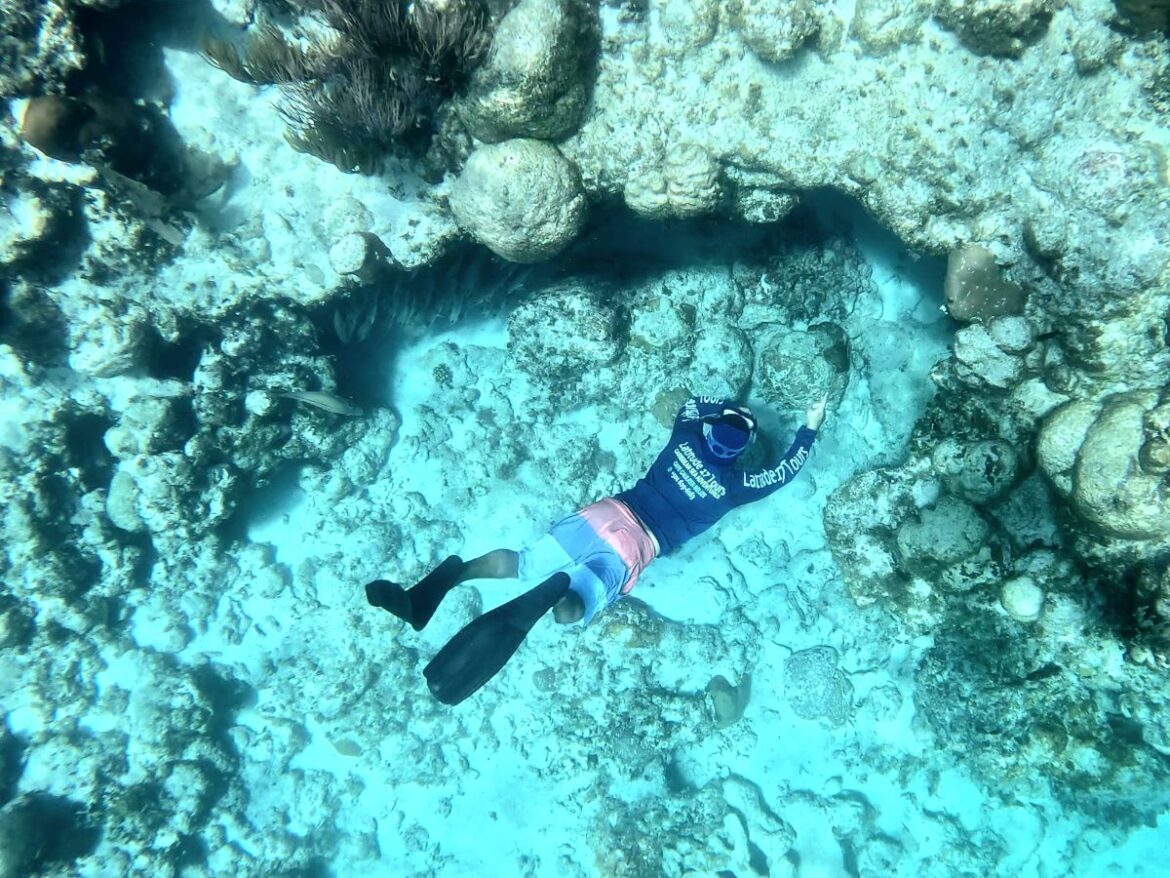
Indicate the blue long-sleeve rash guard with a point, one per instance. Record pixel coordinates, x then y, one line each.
688 489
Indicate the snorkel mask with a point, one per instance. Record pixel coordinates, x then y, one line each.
730 434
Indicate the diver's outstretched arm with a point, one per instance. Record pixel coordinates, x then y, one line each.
483 647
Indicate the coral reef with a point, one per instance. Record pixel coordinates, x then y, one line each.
993 568
1104 457
566 331
816 688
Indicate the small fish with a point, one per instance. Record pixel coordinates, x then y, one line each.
325 401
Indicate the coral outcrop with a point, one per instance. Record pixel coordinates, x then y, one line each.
999 27
775 29
521 199
538 76
1106 458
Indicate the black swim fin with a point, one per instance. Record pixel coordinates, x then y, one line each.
417 605
482 648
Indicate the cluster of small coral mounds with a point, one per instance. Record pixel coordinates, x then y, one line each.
1026 141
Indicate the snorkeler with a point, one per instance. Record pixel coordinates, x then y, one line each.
593 557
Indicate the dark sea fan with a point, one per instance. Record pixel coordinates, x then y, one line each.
376 86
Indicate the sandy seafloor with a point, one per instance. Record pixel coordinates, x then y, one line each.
481 789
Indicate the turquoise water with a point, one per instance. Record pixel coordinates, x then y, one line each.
240 380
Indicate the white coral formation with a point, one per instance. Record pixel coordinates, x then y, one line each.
687 24
521 199
993 356
882 25
1022 599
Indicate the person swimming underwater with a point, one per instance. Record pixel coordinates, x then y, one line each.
593 557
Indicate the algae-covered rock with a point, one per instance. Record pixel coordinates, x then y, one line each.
40 45
776 29
987 358
942 535
1005 702
21 837
537 79
816 688
978 472
996 27
521 199
860 519
563 333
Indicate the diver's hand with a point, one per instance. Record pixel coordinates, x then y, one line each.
814 415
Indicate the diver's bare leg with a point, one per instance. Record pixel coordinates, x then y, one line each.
497 564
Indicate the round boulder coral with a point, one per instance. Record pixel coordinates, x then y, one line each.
539 74
1022 599
978 472
521 199
776 29
1092 454
795 368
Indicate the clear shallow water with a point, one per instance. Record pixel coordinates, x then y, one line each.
228 704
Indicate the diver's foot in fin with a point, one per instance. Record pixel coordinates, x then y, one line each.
480 650
418 605
390 596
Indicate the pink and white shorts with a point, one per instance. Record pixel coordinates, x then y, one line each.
602 547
